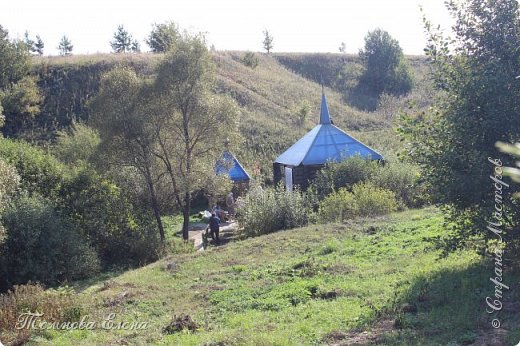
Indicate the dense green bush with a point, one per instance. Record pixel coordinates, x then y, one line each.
249 59
385 69
9 183
372 200
272 209
364 200
401 178
344 174
76 144
338 206
43 245
95 208
60 305
120 233
398 177
40 172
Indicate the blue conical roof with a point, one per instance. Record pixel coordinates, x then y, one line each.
325 142
324 111
236 172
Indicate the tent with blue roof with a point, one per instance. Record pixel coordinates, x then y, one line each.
228 164
324 143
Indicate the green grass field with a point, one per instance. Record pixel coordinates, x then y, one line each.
375 281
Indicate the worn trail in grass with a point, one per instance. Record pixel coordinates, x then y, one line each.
315 285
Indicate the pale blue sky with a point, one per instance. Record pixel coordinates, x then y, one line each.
297 26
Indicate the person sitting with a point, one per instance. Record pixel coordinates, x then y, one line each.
214 228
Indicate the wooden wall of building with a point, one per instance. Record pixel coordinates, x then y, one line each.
301 174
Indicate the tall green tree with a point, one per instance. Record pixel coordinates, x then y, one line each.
39 45
163 37
169 127
192 125
385 69
124 125
476 71
135 47
19 95
123 41
65 46
30 43
268 41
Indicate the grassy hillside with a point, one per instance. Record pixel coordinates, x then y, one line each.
378 281
270 97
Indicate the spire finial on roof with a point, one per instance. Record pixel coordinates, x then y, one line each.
324 112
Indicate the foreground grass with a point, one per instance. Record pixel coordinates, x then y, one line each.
316 285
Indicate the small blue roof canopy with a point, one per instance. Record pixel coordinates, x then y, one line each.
324 143
236 172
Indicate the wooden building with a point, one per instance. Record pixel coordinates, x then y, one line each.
228 164
324 143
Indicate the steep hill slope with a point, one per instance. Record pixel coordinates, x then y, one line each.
271 97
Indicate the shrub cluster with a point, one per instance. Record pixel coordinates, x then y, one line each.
41 245
398 177
249 59
352 188
365 199
342 174
40 172
9 183
57 305
267 210
120 233
61 223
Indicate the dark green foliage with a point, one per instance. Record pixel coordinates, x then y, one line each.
96 208
249 59
347 78
399 177
480 106
403 179
268 41
120 233
67 90
40 172
163 37
385 69
65 47
29 43
268 210
135 47
321 68
14 62
39 45
77 145
303 113
19 96
338 206
365 199
9 186
21 104
42 245
343 174
123 41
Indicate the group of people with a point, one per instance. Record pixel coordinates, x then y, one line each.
217 214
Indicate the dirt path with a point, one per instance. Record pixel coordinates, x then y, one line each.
197 229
